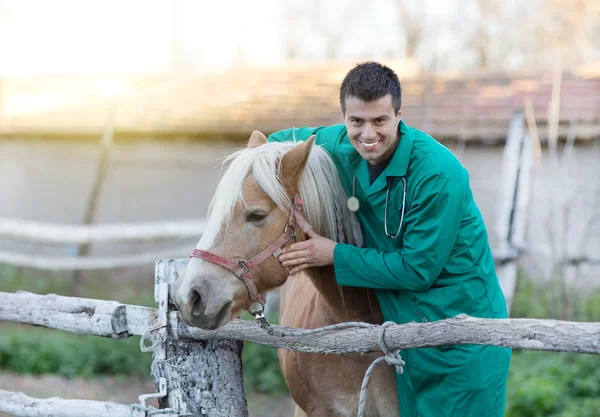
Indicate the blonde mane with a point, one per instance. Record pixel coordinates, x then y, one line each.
320 189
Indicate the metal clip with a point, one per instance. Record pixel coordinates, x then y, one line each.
263 323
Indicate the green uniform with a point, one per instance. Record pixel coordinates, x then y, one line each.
439 266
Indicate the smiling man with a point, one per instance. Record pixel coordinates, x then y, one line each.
426 247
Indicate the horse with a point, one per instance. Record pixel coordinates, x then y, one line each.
268 196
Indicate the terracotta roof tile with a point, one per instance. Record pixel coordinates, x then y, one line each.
475 106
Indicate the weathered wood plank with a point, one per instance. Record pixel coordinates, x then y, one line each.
83 263
549 335
81 234
73 315
20 405
512 214
77 315
203 377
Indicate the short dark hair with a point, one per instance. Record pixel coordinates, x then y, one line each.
369 81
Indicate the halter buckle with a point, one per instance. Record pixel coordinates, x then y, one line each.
293 234
241 269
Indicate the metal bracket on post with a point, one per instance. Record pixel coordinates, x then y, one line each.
161 296
162 392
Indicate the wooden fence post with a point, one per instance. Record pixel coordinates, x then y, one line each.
91 208
204 378
512 214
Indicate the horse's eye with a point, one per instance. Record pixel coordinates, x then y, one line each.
256 216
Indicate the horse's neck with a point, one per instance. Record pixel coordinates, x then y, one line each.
346 303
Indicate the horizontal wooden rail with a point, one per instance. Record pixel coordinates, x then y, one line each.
88 263
20 405
99 233
112 319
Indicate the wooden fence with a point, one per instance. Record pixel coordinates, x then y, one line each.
60 234
198 372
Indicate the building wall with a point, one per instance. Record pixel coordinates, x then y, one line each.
152 180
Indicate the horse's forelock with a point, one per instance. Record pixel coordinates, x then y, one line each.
320 188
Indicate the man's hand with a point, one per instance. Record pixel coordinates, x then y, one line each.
316 251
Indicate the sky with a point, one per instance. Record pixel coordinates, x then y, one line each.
149 36
74 36
135 36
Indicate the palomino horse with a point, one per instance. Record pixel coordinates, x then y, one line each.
252 215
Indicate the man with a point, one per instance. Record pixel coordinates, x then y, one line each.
426 247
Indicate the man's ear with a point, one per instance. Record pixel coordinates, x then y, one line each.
292 165
256 139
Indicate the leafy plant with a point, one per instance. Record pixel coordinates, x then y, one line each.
261 366
43 351
553 384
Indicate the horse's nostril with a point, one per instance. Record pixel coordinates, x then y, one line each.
196 304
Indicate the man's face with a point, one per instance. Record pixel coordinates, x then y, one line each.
372 127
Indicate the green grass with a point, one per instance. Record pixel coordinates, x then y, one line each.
261 365
548 384
93 285
548 299
36 351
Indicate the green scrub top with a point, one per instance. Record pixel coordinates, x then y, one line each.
439 266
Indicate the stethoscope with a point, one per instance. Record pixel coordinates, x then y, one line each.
353 204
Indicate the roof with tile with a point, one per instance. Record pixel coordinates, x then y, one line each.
237 101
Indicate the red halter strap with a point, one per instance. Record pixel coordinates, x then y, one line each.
241 268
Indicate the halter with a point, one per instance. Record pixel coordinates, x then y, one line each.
242 268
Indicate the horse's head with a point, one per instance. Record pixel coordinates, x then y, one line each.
251 216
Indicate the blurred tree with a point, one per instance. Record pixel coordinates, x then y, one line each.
411 23
177 30
552 29
567 27
490 13
295 15
335 27
327 24
461 35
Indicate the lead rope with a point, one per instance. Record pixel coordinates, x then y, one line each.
392 357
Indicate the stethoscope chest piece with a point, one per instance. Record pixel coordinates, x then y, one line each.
353 204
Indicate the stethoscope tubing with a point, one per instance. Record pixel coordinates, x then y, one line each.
385 216
355 206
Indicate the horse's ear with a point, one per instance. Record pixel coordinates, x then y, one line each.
256 139
292 165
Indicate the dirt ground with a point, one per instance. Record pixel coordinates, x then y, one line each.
122 390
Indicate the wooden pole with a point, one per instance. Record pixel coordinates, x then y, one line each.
204 378
94 199
512 214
